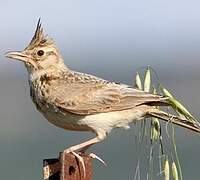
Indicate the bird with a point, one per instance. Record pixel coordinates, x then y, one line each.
82 102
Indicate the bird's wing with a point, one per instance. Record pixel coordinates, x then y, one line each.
91 98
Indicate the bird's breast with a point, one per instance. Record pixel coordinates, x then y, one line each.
55 115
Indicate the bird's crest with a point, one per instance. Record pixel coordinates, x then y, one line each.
39 39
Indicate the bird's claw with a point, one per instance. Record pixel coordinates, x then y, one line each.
94 156
79 158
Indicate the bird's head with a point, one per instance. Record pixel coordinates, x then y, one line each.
40 54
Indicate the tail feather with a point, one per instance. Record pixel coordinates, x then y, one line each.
175 119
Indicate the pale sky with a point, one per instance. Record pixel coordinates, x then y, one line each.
97 32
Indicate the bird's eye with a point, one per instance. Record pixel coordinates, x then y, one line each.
40 53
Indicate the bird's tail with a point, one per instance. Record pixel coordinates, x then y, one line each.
192 125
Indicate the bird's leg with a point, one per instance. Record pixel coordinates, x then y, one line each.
85 145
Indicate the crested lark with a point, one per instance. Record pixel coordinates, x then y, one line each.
82 102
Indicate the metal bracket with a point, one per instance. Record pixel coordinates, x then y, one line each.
67 167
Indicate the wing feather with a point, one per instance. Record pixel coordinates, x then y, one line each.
91 98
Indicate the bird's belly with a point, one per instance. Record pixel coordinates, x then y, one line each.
58 117
67 121
96 122
111 120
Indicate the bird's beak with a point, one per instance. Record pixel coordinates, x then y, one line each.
19 55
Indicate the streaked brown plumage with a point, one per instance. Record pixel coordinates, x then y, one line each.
83 102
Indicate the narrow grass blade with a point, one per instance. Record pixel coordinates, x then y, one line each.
176 153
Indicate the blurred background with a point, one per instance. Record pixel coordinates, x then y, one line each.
111 39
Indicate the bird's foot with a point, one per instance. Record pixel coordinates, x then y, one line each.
94 156
81 160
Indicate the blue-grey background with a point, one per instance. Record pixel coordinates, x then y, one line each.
111 39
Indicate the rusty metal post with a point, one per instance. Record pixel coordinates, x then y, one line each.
67 167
